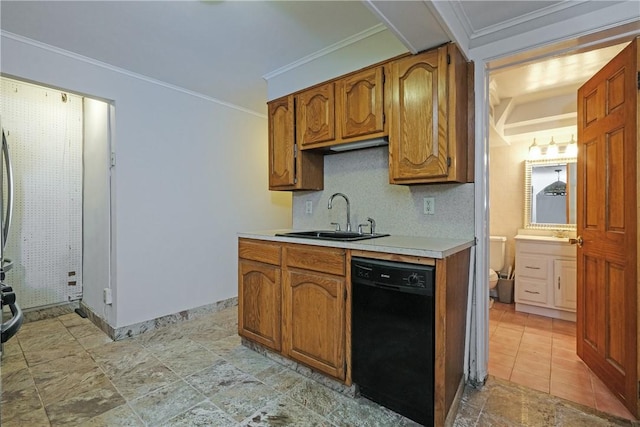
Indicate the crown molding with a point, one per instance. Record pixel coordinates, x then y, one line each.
113 68
327 50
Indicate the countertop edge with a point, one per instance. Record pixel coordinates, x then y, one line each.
400 245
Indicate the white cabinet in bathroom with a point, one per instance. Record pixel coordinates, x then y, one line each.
564 283
545 276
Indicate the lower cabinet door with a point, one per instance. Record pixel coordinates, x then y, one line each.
564 284
259 303
314 321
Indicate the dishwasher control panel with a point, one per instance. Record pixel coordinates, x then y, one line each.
392 274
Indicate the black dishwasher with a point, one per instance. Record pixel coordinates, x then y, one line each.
393 335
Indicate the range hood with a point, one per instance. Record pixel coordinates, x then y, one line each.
376 142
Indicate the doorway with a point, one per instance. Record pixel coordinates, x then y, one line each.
533 341
59 241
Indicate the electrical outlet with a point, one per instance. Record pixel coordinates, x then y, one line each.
429 205
308 207
107 296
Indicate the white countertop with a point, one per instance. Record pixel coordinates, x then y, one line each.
542 238
403 245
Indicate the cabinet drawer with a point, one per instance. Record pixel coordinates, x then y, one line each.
259 251
324 260
528 290
532 266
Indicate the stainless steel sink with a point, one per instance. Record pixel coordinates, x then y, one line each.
343 236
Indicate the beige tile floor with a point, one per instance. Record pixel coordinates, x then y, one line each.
66 372
540 353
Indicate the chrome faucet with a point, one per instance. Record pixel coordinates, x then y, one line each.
346 199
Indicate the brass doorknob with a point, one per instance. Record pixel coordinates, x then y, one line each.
578 241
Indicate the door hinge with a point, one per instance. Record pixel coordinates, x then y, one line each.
384 118
295 151
448 59
448 161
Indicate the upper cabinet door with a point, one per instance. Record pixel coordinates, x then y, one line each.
361 103
418 147
315 115
281 143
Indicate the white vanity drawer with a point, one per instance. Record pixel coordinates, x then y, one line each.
531 290
532 266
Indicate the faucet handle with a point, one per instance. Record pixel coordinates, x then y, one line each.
360 227
372 225
336 226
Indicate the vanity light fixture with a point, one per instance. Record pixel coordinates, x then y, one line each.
553 150
534 150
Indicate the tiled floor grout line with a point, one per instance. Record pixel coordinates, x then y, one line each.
287 389
559 333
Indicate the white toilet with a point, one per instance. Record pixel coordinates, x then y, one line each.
496 258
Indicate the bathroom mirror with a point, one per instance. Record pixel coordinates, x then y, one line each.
550 194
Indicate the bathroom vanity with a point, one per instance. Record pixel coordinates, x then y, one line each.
546 276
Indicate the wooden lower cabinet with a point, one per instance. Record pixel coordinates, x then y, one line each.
295 299
314 321
314 309
260 293
291 298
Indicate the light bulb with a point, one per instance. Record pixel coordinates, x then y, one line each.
552 149
572 148
534 150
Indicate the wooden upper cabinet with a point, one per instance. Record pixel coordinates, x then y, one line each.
281 143
360 104
315 115
289 169
428 129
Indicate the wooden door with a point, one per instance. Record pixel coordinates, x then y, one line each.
361 103
282 168
315 321
418 139
259 303
315 115
607 223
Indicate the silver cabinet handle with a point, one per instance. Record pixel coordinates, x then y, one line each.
531 292
558 282
531 268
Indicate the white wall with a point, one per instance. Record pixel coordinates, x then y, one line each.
96 242
506 189
377 47
190 174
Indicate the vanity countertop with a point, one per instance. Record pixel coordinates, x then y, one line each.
402 245
551 239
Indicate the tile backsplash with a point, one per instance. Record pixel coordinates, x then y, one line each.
363 175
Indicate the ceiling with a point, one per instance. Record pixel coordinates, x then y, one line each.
222 49
539 99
